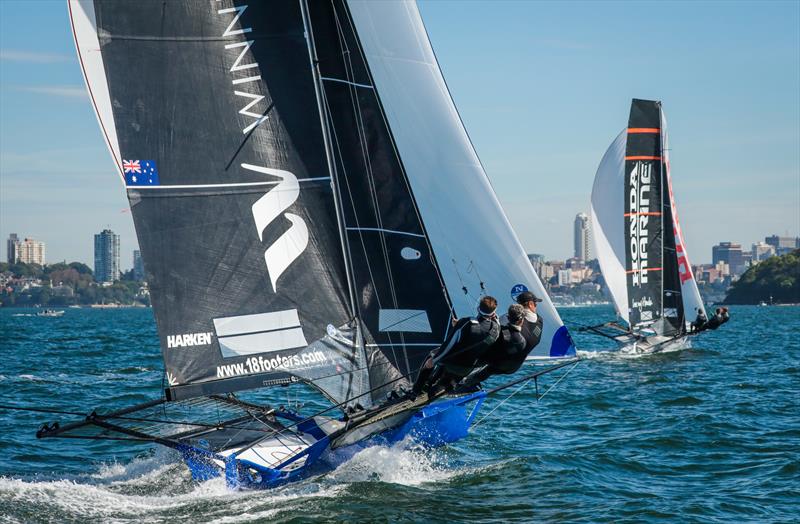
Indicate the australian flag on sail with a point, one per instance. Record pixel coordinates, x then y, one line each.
140 172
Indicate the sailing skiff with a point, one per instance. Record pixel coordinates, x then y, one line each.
310 211
638 239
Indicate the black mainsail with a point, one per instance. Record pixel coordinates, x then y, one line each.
643 214
278 228
643 257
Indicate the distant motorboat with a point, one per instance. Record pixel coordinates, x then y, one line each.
50 313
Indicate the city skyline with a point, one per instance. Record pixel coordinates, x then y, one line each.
773 244
540 142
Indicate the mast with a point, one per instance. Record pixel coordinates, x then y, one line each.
661 207
314 62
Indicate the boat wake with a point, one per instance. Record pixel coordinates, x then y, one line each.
153 488
147 489
631 352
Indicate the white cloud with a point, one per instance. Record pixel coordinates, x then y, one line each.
14 55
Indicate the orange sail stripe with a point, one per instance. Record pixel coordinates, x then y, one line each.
632 130
649 213
648 269
642 158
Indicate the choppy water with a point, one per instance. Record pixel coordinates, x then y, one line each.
706 434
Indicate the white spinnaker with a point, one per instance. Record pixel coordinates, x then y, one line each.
608 221
468 229
692 301
87 43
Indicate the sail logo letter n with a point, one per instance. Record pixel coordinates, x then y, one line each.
290 245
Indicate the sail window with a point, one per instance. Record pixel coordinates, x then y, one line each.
409 320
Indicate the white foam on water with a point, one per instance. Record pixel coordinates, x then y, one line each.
153 489
138 470
402 463
631 352
596 353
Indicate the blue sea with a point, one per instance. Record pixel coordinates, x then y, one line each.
709 433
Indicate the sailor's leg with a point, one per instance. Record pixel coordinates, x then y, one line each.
477 376
424 376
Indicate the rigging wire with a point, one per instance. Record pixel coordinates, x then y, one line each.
520 389
473 265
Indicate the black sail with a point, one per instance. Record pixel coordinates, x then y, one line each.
401 300
221 146
273 210
643 213
673 314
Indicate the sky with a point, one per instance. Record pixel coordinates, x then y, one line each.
542 87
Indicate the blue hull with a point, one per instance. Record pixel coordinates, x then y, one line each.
434 425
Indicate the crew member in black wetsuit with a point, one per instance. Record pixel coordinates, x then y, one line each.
700 322
721 316
456 358
533 324
506 355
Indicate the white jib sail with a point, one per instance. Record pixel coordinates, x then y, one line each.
608 222
470 234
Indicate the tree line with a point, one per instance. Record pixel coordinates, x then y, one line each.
66 284
776 280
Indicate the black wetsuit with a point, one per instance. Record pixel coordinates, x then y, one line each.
508 354
456 358
699 323
717 320
532 331
504 356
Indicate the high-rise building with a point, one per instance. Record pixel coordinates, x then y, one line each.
11 248
106 256
761 251
731 254
783 245
583 237
29 251
536 262
138 266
